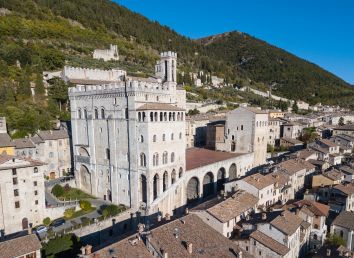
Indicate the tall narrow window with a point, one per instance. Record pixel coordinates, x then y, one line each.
79 113
103 115
142 160
108 153
96 113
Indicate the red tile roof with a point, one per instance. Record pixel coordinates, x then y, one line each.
197 157
19 246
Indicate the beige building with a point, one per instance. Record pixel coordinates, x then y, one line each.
27 246
22 198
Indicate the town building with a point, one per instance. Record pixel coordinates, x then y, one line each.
343 226
22 193
345 129
291 143
27 246
107 54
292 130
7 146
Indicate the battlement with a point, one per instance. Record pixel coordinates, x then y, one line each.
92 74
107 54
169 54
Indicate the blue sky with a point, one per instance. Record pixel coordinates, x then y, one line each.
321 31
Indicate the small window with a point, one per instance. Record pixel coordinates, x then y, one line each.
172 136
16 193
35 170
154 138
126 114
103 115
14 172
163 137
35 183
96 113
141 138
17 204
241 127
254 242
180 135
108 153
36 192
36 202
14 181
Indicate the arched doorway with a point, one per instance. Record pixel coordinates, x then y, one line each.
156 186
143 188
24 223
85 179
232 172
173 176
208 184
192 189
220 179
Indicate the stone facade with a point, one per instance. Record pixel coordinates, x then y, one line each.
22 193
107 54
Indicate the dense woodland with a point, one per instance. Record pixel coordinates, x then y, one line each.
42 35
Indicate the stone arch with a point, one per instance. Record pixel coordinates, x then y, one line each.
165 181
232 172
143 188
85 178
192 189
208 184
220 179
83 152
156 186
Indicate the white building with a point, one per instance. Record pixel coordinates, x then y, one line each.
107 54
22 193
3 127
343 226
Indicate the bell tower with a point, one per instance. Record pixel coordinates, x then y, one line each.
166 67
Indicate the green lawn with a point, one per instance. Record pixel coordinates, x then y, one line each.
82 212
74 194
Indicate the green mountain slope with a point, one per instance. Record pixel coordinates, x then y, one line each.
40 35
291 76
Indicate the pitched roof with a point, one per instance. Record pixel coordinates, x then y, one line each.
53 134
292 166
258 181
304 154
206 241
279 178
348 189
5 140
159 106
30 162
345 219
345 128
24 143
328 143
334 175
19 246
287 222
291 140
347 170
198 157
317 208
270 243
36 139
131 247
233 207
255 110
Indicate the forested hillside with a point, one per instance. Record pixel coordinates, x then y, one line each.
41 35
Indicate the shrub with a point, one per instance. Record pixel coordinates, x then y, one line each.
46 221
110 210
68 213
85 205
66 187
85 220
58 190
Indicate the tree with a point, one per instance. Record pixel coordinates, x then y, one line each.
60 247
58 91
46 221
68 213
341 121
24 86
58 191
85 205
295 108
192 112
335 240
110 210
39 90
270 148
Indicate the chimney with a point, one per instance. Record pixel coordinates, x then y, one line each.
189 247
159 218
164 254
88 249
328 252
29 229
239 254
186 211
264 216
168 216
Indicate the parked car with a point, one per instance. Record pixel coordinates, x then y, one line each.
57 223
41 230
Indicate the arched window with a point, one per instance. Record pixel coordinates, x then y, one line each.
103 115
156 117
174 116
163 137
85 113
155 159
79 113
96 113
172 136
181 116
154 138
172 157
180 173
35 170
241 127
173 177
165 157
151 116
161 116
143 117
165 116
315 237
142 160
165 181
180 135
178 116
141 138
139 116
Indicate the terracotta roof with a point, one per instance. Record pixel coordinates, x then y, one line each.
334 175
348 189
292 166
5 140
317 208
206 242
305 224
198 157
255 110
345 128
291 140
305 210
130 247
304 154
36 139
233 207
279 178
159 106
53 134
19 246
328 143
270 243
30 162
24 143
258 181
347 170
287 223
345 219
